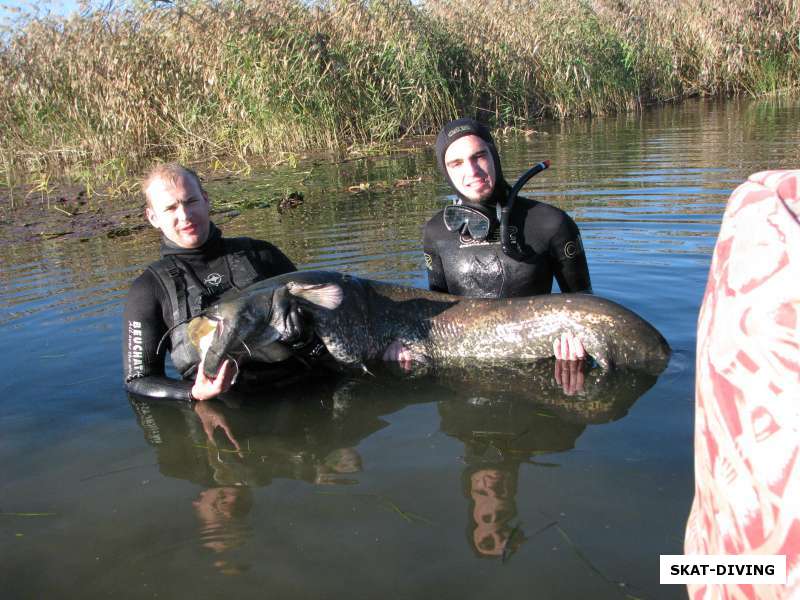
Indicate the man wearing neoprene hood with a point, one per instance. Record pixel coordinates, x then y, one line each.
462 245
197 266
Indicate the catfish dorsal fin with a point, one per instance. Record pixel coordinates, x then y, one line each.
326 295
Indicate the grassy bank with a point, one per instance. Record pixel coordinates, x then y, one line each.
97 97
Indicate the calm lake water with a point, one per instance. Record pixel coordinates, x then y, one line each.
464 486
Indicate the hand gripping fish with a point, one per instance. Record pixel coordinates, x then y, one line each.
356 319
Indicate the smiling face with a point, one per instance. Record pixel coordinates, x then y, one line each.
179 208
471 168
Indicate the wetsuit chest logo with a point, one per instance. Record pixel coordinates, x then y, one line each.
213 280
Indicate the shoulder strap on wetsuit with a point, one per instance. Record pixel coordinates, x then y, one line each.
187 297
168 273
244 262
186 294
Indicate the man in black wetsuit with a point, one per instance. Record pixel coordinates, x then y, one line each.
463 263
197 265
463 251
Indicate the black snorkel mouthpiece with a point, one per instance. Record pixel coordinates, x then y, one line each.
510 245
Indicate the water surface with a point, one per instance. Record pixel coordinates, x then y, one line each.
455 487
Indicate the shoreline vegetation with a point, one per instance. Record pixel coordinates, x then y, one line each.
95 98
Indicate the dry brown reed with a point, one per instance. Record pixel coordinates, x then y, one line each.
100 95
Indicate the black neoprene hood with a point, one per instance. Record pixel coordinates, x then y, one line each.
461 128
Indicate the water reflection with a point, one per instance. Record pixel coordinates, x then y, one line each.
312 432
506 418
492 493
299 434
605 395
222 514
647 191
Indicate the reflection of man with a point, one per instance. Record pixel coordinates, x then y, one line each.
197 266
221 512
493 506
498 436
344 461
216 445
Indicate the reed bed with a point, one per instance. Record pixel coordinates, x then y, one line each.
98 96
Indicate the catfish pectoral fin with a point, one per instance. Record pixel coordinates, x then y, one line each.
602 360
326 295
598 352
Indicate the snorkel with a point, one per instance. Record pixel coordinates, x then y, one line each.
510 245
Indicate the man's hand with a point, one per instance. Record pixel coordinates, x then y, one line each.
570 355
205 388
569 375
211 418
397 352
568 347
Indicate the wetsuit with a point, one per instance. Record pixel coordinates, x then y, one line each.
549 238
180 285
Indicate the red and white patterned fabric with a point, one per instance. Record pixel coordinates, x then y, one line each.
747 392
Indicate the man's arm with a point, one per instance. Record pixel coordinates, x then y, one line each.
572 274
143 361
433 262
143 327
569 259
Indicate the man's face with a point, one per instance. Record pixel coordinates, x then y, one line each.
470 167
179 210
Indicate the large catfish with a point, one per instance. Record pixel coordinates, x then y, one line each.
356 319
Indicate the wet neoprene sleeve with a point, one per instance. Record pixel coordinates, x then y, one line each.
568 258
433 264
144 321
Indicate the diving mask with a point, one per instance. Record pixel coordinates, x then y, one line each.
458 217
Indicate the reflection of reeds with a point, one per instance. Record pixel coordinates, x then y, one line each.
100 95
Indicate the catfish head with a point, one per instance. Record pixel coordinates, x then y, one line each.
223 331
260 324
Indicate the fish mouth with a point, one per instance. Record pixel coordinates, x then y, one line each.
234 330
